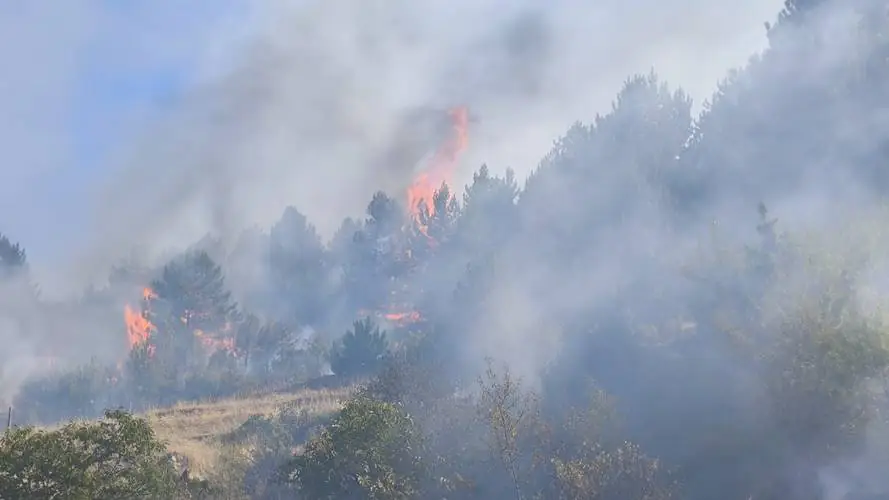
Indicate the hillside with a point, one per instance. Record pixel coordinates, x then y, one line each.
672 306
195 430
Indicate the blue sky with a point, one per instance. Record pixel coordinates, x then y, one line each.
78 76
82 79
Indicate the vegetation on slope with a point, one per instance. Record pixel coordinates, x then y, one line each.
748 367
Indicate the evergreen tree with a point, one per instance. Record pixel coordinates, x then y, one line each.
193 289
191 302
489 216
801 114
297 271
376 256
438 226
360 351
625 162
385 217
12 257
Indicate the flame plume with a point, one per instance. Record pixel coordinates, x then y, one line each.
441 168
139 328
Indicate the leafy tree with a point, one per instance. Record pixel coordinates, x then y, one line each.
511 418
360 351
619 474
370 450
272 440
786 321
568 455
117 457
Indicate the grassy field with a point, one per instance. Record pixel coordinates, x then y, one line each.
193 430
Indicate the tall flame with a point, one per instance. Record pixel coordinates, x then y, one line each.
441 169
139 327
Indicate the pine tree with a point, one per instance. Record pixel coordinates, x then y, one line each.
191 302
489 215
297 265
12 257
361 350
439 225
193 287
376 255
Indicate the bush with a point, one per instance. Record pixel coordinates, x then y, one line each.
370 450
78 393
117 457
271 441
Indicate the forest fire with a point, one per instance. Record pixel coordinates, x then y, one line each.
214 344
420 200
441 168
421 193
396 318
139 328
403 318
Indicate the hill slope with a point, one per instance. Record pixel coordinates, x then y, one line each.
194 430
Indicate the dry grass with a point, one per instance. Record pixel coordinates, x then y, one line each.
193 429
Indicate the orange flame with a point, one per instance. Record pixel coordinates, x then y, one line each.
441 169
403 318
138 327
226 344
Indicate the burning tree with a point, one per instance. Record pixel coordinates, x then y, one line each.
193 287
186 316
421 193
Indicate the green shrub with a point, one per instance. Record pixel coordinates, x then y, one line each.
117 457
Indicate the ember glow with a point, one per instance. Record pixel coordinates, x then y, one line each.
215 344
399 318
140 328
442 166
403 318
